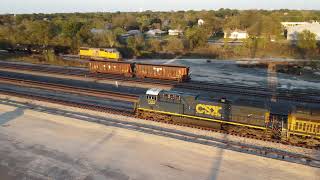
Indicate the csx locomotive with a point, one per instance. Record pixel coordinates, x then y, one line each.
292 124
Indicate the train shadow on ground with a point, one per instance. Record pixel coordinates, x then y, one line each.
217 162
11 115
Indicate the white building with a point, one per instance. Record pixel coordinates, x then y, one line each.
293 31
236 34
175 32
200 22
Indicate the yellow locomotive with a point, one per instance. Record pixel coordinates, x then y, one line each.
304 126
100 53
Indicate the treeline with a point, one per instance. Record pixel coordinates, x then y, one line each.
75 30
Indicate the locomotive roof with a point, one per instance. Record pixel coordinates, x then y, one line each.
157 91
153 91
99 48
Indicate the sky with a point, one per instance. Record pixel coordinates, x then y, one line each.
54 6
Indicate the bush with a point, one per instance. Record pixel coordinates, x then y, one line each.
174 44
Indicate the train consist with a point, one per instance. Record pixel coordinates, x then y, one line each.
140 70
268 121
100 53
109 61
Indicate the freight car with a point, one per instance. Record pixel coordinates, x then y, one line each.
168 72
111 67
261 120
138 70
100 53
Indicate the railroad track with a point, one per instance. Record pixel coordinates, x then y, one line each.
160 131
70 89
294 95
108 95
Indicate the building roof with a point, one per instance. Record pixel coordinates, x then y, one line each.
131 33
175 30
134 32
236 30
157 31
312 27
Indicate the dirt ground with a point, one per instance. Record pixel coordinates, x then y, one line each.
37 145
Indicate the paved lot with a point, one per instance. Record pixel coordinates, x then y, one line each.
36 145
228 72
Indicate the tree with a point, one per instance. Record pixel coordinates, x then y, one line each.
111 39
71 28
127 21
40 32
70 31
196 37
104 39
84 35
136 43
144 22
307 43
265 27
307 40
154 45
174 44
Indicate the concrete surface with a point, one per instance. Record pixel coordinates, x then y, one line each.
36 145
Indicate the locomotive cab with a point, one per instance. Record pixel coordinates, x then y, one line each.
150 99
165 101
